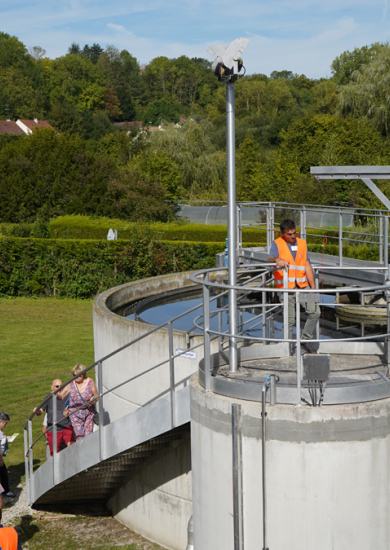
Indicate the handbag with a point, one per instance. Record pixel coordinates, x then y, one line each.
95 417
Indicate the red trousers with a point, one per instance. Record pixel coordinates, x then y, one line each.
65 435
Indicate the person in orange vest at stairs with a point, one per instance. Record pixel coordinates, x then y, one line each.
9 539
290 252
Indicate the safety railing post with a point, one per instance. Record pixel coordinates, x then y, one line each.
264 308
381 239
317 283
387 342
220 327
31 460
386 246
55 454
26 445
340 237
272 232
240 320
101 411
268 215
302 223
206 334
239 228
172 375
285 306
298 348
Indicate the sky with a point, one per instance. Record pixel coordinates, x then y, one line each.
302 36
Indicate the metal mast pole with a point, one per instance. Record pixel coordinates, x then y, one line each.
231 188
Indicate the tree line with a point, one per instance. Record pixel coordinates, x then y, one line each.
285 123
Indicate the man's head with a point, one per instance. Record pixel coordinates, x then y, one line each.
56 384
4 419
288 230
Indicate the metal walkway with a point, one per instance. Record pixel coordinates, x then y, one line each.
130 444
352 271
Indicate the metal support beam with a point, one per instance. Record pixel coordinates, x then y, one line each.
364 173
232 214
377 192
55 454
101 410
172 374
238 514
206 334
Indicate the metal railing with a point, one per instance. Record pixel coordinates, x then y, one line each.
301 295
30 442
271 214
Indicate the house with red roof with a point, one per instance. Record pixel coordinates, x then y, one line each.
29 125
10 127
22 126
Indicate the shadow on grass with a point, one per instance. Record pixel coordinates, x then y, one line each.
26 529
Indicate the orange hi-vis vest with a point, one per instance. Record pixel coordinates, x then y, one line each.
296 268
8 538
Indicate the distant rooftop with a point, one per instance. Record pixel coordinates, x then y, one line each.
10 127
22 126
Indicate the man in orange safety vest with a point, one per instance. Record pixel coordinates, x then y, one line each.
289 252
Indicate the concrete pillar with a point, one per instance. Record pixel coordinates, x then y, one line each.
327 474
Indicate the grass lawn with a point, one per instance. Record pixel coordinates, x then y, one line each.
41 339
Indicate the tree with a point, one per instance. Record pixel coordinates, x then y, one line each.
348 62
133 197
92 52
18 99
367 94
46 175
324 140
326 95
13 53
191 148
74 48
281 74
161 169
158 77
37 52
161 110
92 98
123 75
75 79
277 97
112 104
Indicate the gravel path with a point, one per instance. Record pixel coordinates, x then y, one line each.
15 508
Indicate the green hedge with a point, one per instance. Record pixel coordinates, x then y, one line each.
83 227
81 269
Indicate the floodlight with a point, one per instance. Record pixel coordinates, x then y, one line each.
227 62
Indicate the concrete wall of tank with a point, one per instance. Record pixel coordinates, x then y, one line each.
112 331
327 474
157 503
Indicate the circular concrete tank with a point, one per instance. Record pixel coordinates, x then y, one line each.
327 474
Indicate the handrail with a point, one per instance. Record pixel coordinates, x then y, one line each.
287 205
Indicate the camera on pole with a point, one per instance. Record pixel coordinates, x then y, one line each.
227 61
227 66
